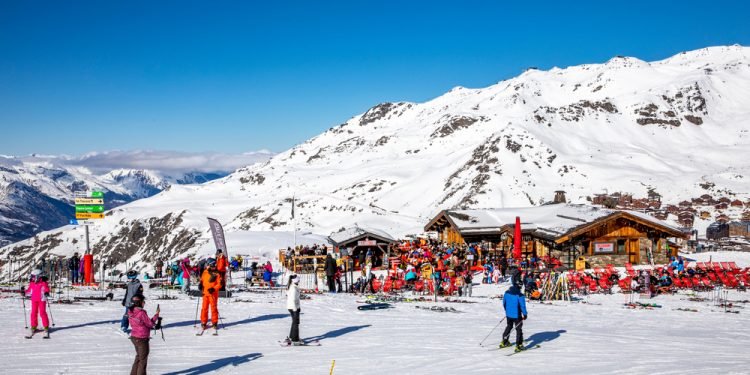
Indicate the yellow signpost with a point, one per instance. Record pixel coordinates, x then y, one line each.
88 215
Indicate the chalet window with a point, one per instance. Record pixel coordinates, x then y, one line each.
621 247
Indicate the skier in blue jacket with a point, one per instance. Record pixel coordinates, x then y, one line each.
515 313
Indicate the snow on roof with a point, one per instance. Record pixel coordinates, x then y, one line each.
550 220
356 231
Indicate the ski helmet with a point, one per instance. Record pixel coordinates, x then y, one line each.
36 273
210 262
132 274
137 300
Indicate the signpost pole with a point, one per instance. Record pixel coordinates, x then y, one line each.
87 239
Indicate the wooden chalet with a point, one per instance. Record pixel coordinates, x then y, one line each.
356 241
604 236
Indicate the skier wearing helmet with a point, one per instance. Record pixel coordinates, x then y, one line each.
210 284
38 291
133 287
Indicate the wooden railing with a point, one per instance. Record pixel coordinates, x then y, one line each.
303 263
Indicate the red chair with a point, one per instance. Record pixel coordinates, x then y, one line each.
687 282
624 284
592 286
678 283
698 283
419 286
629 269
712 277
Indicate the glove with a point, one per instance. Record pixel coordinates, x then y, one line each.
211 290
46 294
525 316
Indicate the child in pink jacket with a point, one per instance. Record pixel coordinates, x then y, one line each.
38 291
140 333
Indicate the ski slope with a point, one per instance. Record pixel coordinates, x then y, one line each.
597 335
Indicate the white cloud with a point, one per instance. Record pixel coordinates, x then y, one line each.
166 161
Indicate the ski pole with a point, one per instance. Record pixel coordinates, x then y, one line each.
49 307
493 330
197 304
23 300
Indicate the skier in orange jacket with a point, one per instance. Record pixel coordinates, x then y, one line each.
210 284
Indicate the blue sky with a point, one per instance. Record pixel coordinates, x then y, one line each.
234 76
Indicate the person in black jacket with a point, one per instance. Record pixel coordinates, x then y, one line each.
330 268
73 264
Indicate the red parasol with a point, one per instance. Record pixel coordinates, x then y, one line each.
517 239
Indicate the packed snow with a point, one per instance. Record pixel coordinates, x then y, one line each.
595 335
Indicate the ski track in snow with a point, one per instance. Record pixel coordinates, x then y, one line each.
575 337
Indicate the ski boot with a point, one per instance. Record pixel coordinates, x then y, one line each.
46 333
520 348
504 344
32 331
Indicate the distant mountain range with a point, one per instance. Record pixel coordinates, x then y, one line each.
36 192
679 127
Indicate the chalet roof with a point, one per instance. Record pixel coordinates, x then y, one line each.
553 221
355 233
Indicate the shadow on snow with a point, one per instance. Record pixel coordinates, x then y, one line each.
336 333
217 364
541 337
261 318
87 324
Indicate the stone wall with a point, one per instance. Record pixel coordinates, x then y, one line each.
602 260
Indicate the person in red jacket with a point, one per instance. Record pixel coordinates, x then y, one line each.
221 267
210 284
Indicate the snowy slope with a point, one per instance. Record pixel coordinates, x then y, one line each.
596 336
680 126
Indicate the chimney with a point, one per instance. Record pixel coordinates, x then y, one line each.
559 197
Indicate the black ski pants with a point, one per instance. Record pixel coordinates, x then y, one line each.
294 331
331 279
141 356
518 324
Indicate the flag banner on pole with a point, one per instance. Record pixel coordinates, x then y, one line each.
292 207
218 232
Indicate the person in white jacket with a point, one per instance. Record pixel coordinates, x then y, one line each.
292 304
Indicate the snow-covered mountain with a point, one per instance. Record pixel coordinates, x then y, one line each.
36 192
680 127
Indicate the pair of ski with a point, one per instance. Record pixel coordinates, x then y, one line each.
45 336
525 349
215 328
287 343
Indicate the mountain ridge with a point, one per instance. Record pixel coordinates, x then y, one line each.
678 126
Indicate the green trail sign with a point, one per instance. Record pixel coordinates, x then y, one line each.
96 209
